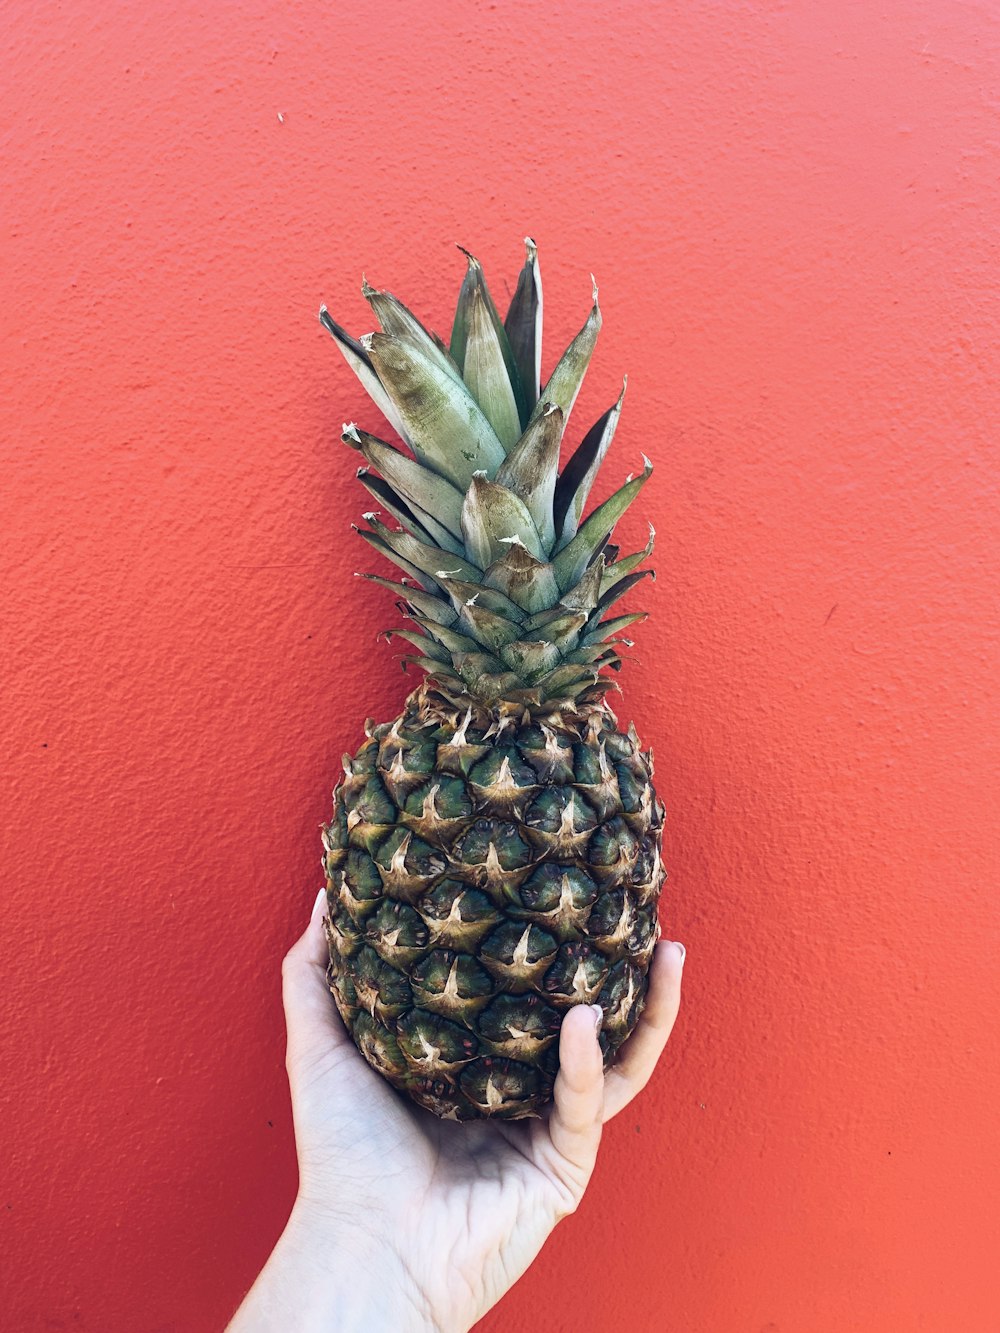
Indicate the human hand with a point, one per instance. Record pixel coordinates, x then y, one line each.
407 1222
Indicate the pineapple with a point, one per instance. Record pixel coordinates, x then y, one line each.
494 853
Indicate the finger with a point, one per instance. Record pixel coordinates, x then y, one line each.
575 1122
311 944
311 1019
637 1058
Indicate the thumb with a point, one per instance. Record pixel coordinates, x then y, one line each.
311 1020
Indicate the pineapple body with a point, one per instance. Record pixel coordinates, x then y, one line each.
485 872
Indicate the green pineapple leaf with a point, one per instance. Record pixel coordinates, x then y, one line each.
360 362
422 525
427 604
619 589
427 559
416 484
573 559
474 282
523 325
445 425
398 319
530 661
486 375
577 477
527 581
493 516
529 470
607 629
477 594
487 627
627 563
564 383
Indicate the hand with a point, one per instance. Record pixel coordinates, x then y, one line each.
422 1223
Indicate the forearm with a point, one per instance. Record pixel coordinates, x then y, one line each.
313 1283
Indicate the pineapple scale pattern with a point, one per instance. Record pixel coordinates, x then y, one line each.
484 873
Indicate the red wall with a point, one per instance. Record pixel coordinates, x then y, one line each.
792 212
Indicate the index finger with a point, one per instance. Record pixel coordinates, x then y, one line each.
638 1057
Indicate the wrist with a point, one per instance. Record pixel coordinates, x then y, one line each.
325 1277
344 1280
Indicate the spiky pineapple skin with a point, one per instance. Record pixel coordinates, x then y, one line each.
485 871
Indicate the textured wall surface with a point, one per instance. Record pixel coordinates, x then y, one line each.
792 210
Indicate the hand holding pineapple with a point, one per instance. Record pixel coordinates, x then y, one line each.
493 860
408 1223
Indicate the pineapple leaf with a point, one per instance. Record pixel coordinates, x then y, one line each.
419 555
627 563
398 508
597 654
530 660
427 604
529 470
360 362
436 669
398 319
416 484
448 638
472 664
524 325
607 629
573 559
463 593
577 477
564 383
473 283
525 580
617 590
424 526
490 682
425 580
492 518
584 595
493 631
446 427
563 631
486 375
565 680
422 641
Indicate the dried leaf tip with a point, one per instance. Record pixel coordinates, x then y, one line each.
349 433
473 261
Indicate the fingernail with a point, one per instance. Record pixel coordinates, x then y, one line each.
677 945
320 901
598 1016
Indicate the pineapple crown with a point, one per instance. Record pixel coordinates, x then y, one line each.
505 581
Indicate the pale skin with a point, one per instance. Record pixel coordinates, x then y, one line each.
407 1223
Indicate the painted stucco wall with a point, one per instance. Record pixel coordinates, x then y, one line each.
792 211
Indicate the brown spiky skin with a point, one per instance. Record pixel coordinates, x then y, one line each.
487 869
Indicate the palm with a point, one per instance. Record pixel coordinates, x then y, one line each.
486 1193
